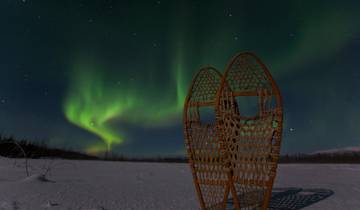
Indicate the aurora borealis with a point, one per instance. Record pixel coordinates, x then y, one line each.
112 75
91 105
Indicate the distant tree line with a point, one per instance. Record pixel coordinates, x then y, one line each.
9 147
293 158
349 157
173 159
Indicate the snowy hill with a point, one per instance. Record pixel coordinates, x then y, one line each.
340 151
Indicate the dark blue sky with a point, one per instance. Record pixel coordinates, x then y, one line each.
78 73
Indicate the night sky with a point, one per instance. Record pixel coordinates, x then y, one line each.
98 74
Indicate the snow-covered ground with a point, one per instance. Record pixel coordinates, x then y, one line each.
92 185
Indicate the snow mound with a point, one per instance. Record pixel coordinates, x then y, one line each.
345 150
37 178
50 204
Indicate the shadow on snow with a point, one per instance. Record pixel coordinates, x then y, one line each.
293 198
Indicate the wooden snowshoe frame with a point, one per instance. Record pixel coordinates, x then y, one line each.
202 143
234 152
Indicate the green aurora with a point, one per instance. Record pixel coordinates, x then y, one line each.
93 105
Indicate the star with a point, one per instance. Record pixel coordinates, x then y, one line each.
292 129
